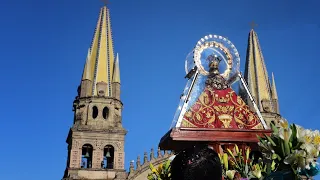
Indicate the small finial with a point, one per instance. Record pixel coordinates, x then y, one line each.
138 162
253 25
145 157
152 154
159 155
131 166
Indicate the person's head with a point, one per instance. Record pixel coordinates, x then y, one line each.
197 163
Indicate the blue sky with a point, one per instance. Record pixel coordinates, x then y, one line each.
43 49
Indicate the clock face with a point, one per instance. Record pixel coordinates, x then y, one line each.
217 46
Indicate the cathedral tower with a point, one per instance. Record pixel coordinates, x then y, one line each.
96 139
256 75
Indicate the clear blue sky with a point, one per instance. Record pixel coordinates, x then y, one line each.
43 47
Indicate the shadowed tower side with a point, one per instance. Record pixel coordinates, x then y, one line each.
256 75
96 139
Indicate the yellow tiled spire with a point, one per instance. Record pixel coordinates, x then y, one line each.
100 59
256 73
116 70
86 71
274 88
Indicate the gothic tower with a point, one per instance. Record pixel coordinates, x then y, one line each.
96 139
256 75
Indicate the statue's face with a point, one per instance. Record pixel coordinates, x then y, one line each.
215 63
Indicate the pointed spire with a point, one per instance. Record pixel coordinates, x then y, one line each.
256 73
116 70
274 88
275 96
86 71
159 155
152 154
138 162
100 59
131 168
145 158
165 153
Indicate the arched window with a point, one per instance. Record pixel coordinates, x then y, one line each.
105 112
86 161
108 157
94 112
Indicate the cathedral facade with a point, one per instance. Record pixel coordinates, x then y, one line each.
96 139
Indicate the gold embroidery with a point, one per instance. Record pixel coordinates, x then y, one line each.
224 109
225 119
223 99
228 107
186 123
239 100
198 117
188 114
204 99
251 117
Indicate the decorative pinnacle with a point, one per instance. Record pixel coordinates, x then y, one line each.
138 162
152 154
253 25
131 166
145 157
159 152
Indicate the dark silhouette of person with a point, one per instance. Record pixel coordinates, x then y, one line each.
196 163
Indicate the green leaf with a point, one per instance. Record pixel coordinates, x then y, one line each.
274 156
246 169
225 161
282 149
270 140
297 146
293 136
286 148
274 128
230 153
259 138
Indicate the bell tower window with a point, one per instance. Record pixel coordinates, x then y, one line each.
94 112
86 160
108 157
105 112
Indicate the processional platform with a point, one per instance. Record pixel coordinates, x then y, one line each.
210 110
180 138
